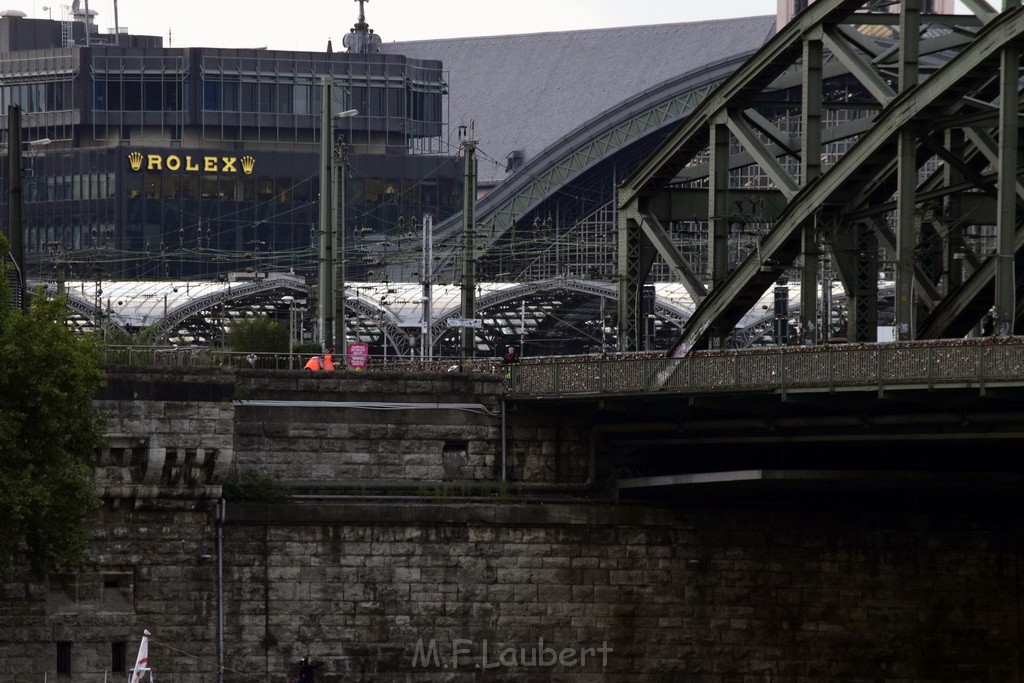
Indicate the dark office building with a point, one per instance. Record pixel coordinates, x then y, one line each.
151 162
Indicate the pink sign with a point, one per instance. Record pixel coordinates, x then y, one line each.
358 355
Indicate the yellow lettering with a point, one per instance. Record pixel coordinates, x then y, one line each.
190 165
154 162
173 162
229 165
210 164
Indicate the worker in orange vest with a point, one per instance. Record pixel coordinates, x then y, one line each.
329 360
313 364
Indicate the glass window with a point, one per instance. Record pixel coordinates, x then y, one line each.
172 186
131 99
268 97
113 94
172 96
300 99
133 184
373 191
248 189
153 96
99 96
264 189
285 98
284 189
211 95
151 184
189 186
248 97
226 187
59 95
38 97
208 186
230 95
300 193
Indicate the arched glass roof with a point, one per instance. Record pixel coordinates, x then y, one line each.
392 313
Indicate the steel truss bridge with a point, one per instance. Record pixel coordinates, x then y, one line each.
930 165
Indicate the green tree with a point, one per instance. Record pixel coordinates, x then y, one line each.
49 433
259 334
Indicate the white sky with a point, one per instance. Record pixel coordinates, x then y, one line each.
307 24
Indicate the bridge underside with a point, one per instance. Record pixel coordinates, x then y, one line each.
855 145
950 440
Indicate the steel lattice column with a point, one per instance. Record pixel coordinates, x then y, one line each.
636 256
810 163
1006 195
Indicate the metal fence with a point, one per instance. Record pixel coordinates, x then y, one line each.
197 357
927 364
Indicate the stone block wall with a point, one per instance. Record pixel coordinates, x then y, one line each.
153 567
454 592
408 429
551 578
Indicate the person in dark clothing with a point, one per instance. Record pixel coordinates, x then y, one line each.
511 356
307 671
989 321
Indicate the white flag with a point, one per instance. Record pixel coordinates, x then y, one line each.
142 661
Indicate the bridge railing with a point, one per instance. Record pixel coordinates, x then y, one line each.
933 363
171 356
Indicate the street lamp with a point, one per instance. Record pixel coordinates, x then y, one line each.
341 160
290 301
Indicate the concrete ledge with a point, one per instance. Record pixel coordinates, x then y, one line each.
401 512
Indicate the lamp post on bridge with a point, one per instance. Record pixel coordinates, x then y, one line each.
331 281
289 300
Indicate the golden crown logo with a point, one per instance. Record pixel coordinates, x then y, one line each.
247 164
135 159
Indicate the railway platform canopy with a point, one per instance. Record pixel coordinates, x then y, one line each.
549 317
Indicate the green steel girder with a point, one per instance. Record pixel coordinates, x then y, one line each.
740 89
691 204
655 234
843 131
945 93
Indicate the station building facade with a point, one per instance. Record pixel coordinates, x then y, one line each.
145 161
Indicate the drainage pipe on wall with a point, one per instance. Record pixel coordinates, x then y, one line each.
504 443
221 512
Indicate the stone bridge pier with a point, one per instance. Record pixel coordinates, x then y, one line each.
418 527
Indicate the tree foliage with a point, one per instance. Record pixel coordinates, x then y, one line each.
259 334
49 433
